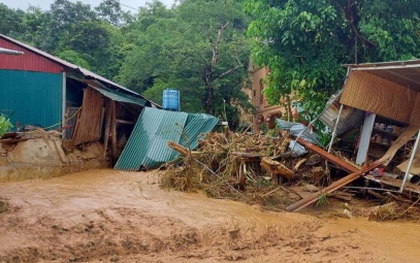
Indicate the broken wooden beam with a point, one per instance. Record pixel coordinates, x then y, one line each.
331 188
312 147
276 168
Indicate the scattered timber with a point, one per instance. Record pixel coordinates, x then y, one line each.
331 188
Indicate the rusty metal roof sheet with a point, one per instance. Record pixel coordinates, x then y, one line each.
147 145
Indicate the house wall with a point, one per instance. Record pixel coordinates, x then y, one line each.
265 113
28 61
371 93
31 97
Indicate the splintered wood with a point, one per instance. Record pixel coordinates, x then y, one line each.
276 168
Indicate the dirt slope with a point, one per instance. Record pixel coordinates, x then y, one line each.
110 216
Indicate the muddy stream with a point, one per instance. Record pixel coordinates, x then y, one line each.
111 216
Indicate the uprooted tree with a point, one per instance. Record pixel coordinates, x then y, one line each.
304 43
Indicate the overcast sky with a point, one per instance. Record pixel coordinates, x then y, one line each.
127 5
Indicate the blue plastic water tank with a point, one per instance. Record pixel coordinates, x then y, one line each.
171 100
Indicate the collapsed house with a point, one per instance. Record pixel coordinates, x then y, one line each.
384 100
377 108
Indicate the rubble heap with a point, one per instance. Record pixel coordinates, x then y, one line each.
245 167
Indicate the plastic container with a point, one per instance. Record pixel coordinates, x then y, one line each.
171 100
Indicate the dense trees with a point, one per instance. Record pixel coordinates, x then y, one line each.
305 42
199 47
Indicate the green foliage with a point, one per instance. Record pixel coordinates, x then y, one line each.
74 57
322 200
199 47
305 42
5 125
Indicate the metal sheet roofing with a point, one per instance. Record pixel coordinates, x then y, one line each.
85 72
349 118
298 129
121 97
405 73
147 145
115 95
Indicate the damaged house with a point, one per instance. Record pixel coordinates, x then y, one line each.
384 100
77 107
67 119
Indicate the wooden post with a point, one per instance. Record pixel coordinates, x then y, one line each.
114 145
107 128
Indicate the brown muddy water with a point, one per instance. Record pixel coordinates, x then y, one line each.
111 216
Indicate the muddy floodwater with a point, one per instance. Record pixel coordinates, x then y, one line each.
111 216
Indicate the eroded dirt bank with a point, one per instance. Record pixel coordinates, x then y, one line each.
111 216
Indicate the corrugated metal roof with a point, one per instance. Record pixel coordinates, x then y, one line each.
121 97
349 119
197 124
85 72
147 145
298 129
114 95
405 73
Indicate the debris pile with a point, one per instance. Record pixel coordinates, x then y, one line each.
263 170
245 167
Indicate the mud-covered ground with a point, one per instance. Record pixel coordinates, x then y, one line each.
110 216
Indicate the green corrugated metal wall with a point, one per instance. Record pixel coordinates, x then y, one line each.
147 145
31 97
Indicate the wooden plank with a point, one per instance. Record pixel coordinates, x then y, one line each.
331 188
346 166
407 134
384 180
88 127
